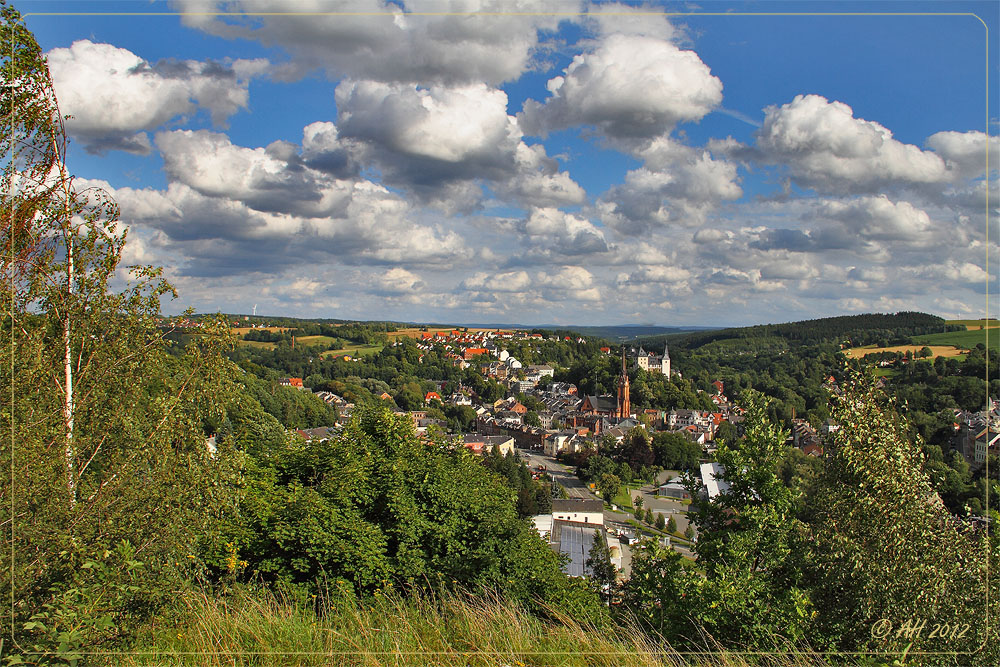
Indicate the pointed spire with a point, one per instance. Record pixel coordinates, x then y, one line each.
624 406
666 351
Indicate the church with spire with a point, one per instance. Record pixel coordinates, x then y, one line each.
654 363
623 409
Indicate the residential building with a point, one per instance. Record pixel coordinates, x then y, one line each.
579 510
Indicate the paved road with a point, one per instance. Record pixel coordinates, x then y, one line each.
560 474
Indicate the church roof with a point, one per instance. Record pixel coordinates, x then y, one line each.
603 403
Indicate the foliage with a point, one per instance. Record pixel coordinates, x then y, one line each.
107 430
608 484
749 542
655 596
533 497
885 547
88 612
673 451
377 507
600 568
858 329
635 449
292 407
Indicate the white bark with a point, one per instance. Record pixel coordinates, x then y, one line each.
68 404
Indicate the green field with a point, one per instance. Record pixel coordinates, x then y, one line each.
975 323
257 343
963 339
315 340
354 351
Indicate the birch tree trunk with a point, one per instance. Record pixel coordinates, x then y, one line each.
68 358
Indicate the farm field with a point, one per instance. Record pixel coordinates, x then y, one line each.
938 350
947 344
963 339
976 324
315 340
256 343
354 351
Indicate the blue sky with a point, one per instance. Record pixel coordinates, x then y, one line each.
482 161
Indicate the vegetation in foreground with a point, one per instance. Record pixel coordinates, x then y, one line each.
255 627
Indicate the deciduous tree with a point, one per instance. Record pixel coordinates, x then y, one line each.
885 547
106 432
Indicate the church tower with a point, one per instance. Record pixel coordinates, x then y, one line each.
665 362
624 406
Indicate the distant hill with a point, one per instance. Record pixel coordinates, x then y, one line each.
625 332
613 333
854 330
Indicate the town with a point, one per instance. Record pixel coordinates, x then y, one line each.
555 429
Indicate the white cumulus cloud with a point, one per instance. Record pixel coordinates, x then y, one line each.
114 96
628 86
384 41
825 147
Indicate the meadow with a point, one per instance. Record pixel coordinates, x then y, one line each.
354 350
964 339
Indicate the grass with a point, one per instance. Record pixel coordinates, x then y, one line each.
963 339
315 340
260 628
357 350
976 324
257 343
624 497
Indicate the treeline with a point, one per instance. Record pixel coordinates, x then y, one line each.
355 332
855 330
304 323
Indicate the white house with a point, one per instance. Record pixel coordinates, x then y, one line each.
578 510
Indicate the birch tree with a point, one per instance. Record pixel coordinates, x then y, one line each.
103 431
